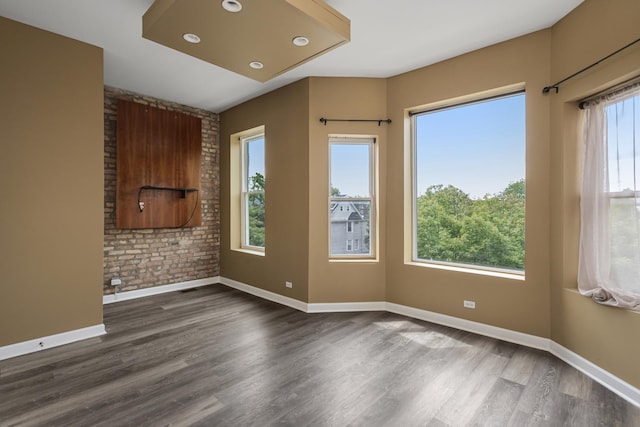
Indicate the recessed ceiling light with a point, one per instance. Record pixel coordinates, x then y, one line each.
191 38
300 41
232 5
256 65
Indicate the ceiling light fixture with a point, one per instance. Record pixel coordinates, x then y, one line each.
256 65
231 5
300 41
191 38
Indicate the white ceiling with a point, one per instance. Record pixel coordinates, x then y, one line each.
388 37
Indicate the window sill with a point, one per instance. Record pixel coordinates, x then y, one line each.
249 251
512 276
577 293
354 260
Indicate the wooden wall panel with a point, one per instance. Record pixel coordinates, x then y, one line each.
157 148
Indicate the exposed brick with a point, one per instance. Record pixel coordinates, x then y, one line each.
154 257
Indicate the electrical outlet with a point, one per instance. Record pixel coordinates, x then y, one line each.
288 284
469 304
116 281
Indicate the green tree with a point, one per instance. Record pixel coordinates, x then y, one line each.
256 204
452 227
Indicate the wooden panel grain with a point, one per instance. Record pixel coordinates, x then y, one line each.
157 148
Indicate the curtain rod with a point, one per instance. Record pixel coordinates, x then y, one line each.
613 90
556 85
380 121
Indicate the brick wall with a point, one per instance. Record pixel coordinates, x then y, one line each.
154 257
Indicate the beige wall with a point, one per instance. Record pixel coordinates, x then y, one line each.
285 115
606 336
546 302
51 166
508 303
343 98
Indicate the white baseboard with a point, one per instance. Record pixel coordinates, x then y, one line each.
268 295
31 346
340 307
607 379
471 326
140 293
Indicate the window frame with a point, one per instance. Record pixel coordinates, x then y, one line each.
371 142
245 193
412 115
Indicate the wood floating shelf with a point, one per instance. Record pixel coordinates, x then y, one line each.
182 190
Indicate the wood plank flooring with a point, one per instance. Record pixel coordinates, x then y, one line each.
217 357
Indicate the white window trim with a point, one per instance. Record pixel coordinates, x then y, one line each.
373 173
245 193
471 268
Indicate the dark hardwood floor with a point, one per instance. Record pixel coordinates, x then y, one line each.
217 357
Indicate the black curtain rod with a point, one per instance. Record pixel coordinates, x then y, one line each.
613 90
556 86
324 121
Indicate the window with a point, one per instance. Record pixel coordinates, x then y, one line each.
469 184
253 197
352 203
609 259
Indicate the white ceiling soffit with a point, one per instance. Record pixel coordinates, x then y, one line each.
388 37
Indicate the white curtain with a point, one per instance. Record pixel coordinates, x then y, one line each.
609 259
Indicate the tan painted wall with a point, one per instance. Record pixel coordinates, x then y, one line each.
346 98
51 182
513 304
545 303
285 115
606 336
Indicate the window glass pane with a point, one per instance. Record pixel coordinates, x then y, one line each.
359 215
255 164
470 184
624 156
254 187
255 214
350 170
623 129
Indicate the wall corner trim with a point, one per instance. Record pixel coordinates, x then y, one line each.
43 343
156 290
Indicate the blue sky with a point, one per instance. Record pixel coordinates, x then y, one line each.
479 148
255 151
623 149
350 169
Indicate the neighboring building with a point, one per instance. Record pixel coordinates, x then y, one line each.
349 228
